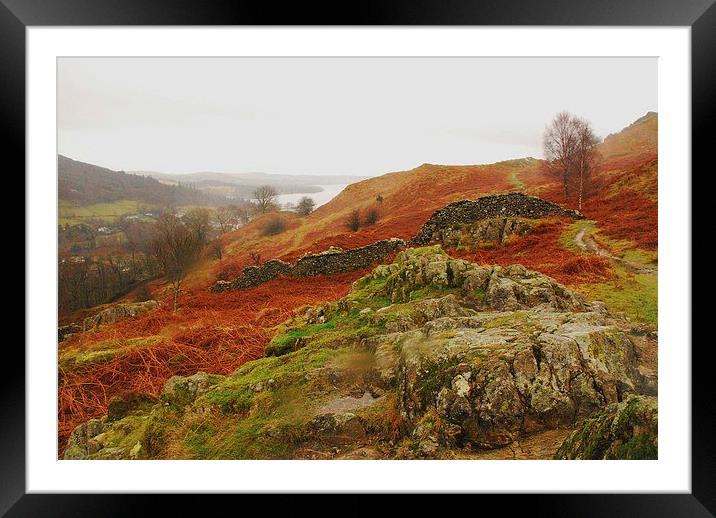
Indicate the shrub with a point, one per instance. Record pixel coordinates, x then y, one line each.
305 206
274 226
353 221
372 216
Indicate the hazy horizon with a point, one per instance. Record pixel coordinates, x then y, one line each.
333 116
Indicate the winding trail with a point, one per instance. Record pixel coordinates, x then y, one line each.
588 244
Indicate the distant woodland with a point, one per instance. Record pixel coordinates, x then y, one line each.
87 184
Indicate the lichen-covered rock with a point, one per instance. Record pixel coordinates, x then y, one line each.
337 429
625 430
78 446
107 440
491 287
486 233
118 312
181 391
504 374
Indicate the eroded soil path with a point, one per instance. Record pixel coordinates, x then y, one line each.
587 243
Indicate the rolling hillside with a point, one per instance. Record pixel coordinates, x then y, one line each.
84 184
219 332
622 199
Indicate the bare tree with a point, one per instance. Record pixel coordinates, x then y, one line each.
243 212
586 156
305 206
226 217
197 221
265 197
177 246
570 147
559 144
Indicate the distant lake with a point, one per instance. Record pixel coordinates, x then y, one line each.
327 194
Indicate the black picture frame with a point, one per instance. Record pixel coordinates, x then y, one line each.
17 15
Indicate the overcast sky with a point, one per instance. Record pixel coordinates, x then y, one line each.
364 116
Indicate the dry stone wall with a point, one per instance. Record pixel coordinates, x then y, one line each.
513 204
336 260
332 261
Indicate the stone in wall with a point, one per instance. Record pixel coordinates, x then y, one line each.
513 204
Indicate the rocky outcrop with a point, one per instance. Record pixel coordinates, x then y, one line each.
426 357
624 430
334 260
490 379
509 205
487 233
118 312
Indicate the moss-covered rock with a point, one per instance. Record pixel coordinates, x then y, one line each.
181 390
625 430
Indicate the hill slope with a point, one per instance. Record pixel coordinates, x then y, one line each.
219 332
86 184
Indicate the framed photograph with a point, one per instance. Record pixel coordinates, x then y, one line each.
433 249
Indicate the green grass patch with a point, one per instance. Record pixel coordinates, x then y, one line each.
368 293
73 214
290 340
270 421
423 250
634 295
515 179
